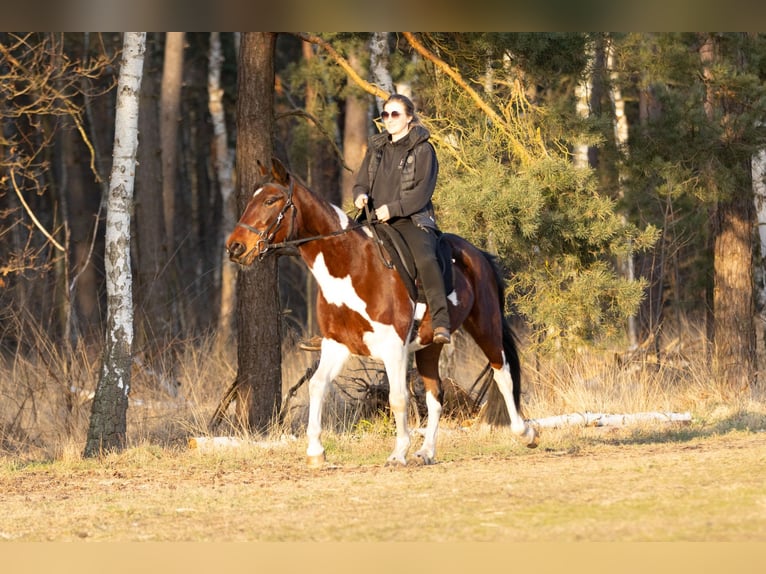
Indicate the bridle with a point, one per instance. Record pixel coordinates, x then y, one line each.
265 238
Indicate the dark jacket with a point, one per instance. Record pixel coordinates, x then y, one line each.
401 175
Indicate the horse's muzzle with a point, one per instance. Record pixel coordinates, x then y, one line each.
236 250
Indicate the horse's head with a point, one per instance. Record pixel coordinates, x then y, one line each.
263 222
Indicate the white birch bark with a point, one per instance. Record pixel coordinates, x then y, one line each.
583 91
620 124
606 419
379 55
108 416
224 170
758 172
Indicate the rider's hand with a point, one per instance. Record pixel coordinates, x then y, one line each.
382 213
361 201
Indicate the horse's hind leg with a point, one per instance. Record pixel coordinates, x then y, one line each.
427 361
519 426
334 356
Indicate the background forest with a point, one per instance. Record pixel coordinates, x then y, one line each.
619 177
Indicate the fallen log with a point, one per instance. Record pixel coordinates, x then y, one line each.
589 419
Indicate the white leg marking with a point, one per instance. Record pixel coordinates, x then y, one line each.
505 384
396 369
428 451
331 361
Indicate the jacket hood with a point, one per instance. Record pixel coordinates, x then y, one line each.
417 134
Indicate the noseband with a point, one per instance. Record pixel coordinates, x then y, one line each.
266 237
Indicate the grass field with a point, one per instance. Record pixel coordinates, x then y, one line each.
697 482
701 481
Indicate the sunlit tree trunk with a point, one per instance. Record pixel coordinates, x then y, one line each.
225 173
758 169
620 123
259 353
379 65
582 91
170 102
354 130
108 425
733 304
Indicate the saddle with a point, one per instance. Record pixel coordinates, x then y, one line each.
403 262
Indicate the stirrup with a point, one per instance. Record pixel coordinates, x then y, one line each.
442 336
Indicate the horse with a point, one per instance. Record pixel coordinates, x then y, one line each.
364 307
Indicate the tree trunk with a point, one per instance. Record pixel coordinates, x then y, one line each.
582 92
152 290
356 121
758 171
620 123
379 55
108 425
734 359
170 101
225 174
259 360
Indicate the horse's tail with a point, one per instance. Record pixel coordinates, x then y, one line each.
495 412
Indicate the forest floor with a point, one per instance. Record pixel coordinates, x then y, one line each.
700 481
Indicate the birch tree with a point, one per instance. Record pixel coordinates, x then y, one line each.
110 404
379 68
225 173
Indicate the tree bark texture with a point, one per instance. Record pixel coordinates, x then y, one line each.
152 290
734 359
355 132
259 359
170 103
108 425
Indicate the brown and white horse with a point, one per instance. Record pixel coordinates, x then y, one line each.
364 307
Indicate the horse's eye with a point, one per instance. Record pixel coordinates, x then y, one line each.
271 201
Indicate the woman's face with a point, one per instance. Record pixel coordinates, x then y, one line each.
396 120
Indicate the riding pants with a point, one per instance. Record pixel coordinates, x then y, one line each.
423 243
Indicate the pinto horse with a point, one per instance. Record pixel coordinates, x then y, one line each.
364 307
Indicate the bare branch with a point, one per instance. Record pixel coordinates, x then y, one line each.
31 214
519 149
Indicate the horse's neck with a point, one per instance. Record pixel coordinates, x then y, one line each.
347 253
317 216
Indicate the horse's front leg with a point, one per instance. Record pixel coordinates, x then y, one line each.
331 361
427 361
396 369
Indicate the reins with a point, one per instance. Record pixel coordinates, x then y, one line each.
264 244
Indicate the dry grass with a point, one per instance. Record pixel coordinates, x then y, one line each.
696 481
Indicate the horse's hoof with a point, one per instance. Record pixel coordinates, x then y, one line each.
424 458
316 460
532 437
396 461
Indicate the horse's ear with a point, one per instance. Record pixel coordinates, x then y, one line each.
261 168
278 172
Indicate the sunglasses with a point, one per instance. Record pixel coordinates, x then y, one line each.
395 114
